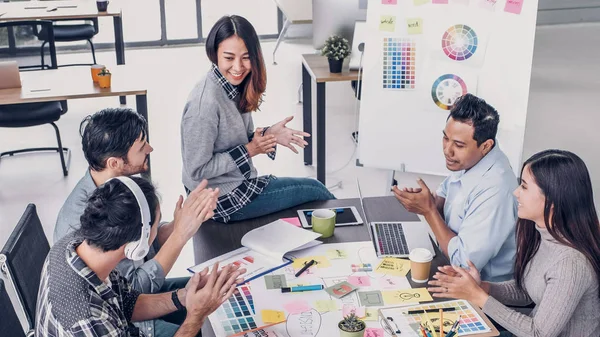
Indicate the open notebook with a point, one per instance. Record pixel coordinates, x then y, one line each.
264 249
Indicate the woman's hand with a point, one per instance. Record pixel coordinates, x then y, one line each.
261 144
286 136
449 270
462 286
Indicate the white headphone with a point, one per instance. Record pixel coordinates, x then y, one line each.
137 250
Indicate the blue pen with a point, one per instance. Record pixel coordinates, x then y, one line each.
301 288
337 210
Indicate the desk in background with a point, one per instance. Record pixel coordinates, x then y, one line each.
75 83
316 68
295 12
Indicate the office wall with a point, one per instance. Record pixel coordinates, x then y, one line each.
568 11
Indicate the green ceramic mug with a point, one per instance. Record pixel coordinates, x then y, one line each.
323 221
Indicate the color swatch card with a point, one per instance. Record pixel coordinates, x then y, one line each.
236 314
399 63
414 295
393 266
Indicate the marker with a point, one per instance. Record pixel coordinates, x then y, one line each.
301 288
306 266
414 312
455 325
337 210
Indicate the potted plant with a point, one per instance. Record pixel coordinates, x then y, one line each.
104 78
336 49
351 326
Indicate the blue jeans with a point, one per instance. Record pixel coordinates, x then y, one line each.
168 325
283 193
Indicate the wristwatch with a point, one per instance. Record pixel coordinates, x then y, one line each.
176 302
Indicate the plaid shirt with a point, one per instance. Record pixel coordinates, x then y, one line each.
73 301
249 189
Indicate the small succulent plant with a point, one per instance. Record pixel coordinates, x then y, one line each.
351 323
336 48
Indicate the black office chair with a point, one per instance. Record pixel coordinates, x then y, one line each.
22 260
44 25
69 33
9 324
33 114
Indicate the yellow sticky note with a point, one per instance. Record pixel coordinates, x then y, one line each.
387 23
334 254
326 305
414 295
371 314
393 266
321 262
272 316
421 2
414 25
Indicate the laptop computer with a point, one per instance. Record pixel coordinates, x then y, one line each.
9 75
394 238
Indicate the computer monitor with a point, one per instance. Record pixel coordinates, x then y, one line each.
335 17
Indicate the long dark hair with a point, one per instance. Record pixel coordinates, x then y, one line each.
254 85
565 181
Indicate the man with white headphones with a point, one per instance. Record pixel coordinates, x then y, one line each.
81 293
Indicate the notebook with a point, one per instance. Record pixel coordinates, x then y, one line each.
264 249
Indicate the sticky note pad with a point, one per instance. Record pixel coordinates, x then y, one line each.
420 2
272 316
296 307
387 23
294 221
389 2
374 332
360 281
414 295
326 305
393 266
370 314
414 25
335 254
513 6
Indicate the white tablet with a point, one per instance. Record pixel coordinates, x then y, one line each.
345 216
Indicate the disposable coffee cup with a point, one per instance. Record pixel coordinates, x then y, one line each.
420 264
102 5
96 69
323 222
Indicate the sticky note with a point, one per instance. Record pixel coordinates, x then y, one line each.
326 305
294 221
335 254
513 6
370 314
393 282
389 2
415 295
360 281
275 281
387 23
321 262
296 307
351 309
439 2
420 2
272 316
487 4
370 298
374 332
414 25
393 266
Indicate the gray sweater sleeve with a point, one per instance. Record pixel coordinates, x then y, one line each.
565 285
509 294
199 133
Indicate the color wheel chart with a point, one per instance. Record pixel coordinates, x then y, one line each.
399 63
447 89
459 42
237 313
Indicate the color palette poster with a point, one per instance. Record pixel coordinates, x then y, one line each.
237 314
470 322
399 63
459 42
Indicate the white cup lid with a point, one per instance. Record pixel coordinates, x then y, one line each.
420 255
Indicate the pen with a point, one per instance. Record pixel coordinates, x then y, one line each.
337 210
301 288
455 325
441 323
306 266
414 312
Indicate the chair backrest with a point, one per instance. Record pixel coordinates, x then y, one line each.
25 252
9 324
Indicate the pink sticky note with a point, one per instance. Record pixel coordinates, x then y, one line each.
374 332
443 2
513 6
348 309
294 221
391 282
360 281
389 2
296 307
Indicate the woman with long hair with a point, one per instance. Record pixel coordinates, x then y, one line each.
557 265
218 138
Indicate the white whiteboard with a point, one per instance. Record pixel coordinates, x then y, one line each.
402 128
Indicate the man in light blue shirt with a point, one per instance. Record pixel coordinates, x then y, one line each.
473 214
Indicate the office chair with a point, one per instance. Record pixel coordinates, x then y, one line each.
69 33
46 26
9 324
22 260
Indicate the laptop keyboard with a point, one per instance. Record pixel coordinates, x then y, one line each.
391 239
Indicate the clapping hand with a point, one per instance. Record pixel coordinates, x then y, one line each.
288 137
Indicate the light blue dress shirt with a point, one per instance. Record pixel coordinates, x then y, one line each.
481 209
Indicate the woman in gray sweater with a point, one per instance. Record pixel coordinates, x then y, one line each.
218 139
557 265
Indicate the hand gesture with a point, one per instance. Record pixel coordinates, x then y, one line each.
197 208
416 200
449 270
286 136
261 144
463 286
